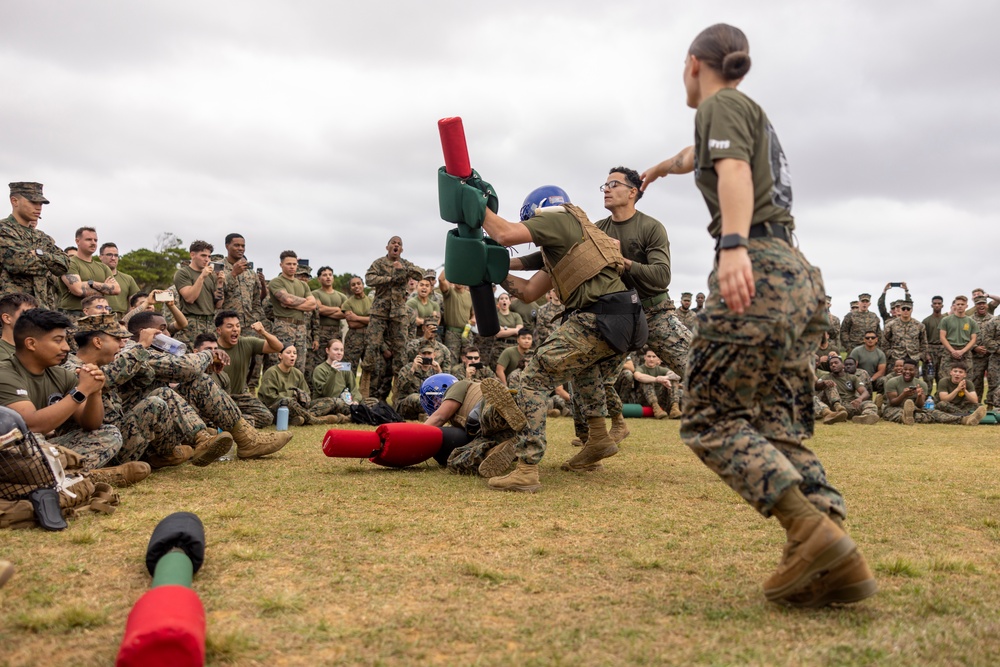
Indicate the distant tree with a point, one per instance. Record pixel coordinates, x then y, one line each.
154 269
341 283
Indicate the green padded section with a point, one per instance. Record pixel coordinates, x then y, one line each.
472 261
465 200
631 410
174 568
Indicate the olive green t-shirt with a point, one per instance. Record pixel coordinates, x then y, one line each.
432 309
18 385
457 308
868 360
731 125
205 303
6 350
292 286
360 306
555 230
510 321
958 330
276 384
119 302
932 325
946 386
457 391
239 361
644 241
897 384
94 270
509 360
329 382
332 299
847 385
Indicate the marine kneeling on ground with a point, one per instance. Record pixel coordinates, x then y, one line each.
906 396
843 396
486 411
187 374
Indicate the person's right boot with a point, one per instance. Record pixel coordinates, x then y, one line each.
209 445
865 419
675 411
498 460
909 408
126 474
619 429
252 444
177 456
523 478
599 446
658 412
815 546
836 417
975 417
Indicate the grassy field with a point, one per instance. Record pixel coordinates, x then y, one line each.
316 561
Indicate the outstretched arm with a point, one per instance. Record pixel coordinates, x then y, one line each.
682 163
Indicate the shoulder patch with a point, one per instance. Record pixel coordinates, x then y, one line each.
718 144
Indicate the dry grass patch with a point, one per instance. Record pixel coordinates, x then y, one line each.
315 561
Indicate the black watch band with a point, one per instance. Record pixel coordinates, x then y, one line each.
78 396
729 241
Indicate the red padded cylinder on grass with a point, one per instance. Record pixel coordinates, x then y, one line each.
406 444
456 152
350 444
166 628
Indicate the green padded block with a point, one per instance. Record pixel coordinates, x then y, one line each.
633 410
497 261
464 259
174 568
465 200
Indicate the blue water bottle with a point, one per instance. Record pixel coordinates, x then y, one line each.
929 403
281 424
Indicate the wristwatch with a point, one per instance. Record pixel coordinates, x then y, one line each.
78 396
730 241
90 284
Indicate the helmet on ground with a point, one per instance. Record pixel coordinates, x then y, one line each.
432 391
547 195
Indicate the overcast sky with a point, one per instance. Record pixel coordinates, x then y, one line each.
312 125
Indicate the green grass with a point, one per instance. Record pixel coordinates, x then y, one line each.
653 561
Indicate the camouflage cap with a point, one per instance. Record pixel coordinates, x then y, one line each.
106 323
430 274
854 303
304 271
895 303
426 348
980 299
685 295
30 191
905 302
829 298
864 297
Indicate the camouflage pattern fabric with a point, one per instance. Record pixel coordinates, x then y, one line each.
990 333
242 294
96 448
30 262
253 410
854 326
407 390
749 388
546 321
465 460
453 341
300 406
385 334
156 424
834 330
354 346
686 317
920 416
668 337
295 334
902 340
197 324
935 352
980 361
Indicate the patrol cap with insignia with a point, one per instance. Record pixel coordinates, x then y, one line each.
106 323
30 191
864 297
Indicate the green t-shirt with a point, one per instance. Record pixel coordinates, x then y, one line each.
847 385
292 286
119 302
644 241
457 308
868 360
509 360
946 386
329 382
360 306
958 330
275 384
510 321
240 355
731 125
932 325
555 230
432 309
6 350
205 303
94 270
897 384
333 299
18 385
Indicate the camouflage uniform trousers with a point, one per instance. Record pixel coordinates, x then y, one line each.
197 324
493 429
454 342
951 409
309 410
391 333
977 366
409 407
610 371
96 448
668 337
575 350
656 393
214 406
156 424
354 346
294 334
935 352
324 333
750 377
944 370
254 411
993 379
891 413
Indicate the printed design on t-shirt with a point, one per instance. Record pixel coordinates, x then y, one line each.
53 399
781 191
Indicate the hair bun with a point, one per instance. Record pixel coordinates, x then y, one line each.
735 65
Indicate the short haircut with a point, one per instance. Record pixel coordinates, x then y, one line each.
80 231
632 176
523 331
960 297
142 320
201 246
909 362
224 315
322 269
356 278
105 246
38 322
471 348
207 337
959 365
285 254
135 298
91 299
83 338
871 331
939 298
9 303
230 237
69 247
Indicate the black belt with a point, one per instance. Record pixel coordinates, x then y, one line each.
765 230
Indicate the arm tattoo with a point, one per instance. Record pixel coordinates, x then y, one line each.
508 284
72 278
288 300
103 288
678 161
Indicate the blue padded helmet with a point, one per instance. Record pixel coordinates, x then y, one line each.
432 391
547 195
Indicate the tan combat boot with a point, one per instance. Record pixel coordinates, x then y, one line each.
6 571
179 455
523 478
975 417
658 412
209 445
499 397
599 446
498 460
836 417
579 442
909 407
619 429
675 411
865 419
815 547
126 474
252 444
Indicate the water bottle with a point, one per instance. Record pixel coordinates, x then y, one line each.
281 423
466 330
930 370
165 343
231 454
929 403
345 396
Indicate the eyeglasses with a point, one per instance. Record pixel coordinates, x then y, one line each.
473 358
905 308
871 337
106 309
611 185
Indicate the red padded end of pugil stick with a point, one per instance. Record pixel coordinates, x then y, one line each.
166 628
456 152
350 444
